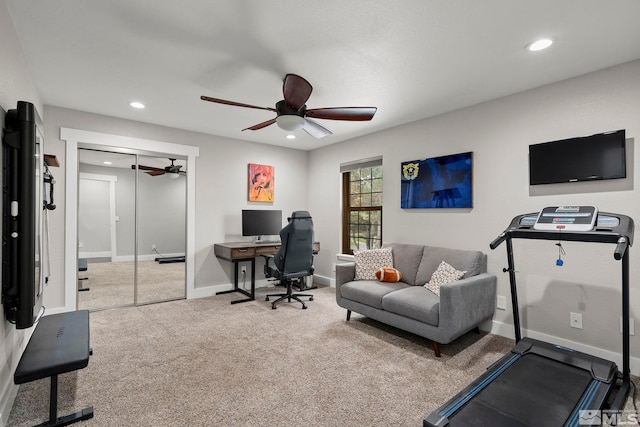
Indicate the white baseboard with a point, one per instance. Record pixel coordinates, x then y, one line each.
506 330
148 257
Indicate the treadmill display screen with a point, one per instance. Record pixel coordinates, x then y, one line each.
569 218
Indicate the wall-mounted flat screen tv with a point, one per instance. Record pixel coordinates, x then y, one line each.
587 158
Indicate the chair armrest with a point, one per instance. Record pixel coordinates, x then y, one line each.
466 303
345 272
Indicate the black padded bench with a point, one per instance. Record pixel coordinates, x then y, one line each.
59 344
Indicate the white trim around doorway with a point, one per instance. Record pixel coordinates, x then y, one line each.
86 139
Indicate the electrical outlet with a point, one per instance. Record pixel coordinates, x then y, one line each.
243 269
80 244
631 326
153 247
575 320
501 302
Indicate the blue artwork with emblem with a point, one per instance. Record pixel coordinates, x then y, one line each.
438 182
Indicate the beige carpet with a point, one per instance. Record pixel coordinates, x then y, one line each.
111 283
206 362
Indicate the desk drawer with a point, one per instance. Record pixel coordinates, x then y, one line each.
237 253
267 249
231 253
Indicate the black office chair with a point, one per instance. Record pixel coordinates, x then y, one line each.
294 260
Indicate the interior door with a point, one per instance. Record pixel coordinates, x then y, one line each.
161 231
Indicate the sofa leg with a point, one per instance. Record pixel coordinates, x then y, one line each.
348 315
436 348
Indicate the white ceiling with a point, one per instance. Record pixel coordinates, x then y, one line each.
410 58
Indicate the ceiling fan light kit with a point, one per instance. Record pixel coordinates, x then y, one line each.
292 112
290 122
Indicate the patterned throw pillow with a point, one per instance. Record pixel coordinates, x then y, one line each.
367 262
443 274
388 274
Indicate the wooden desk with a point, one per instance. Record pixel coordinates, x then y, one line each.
247 251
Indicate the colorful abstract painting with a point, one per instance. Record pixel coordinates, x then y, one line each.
261 183
438 182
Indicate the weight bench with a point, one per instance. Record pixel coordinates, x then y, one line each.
59 344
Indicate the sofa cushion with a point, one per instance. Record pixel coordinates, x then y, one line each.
406 258
388 274
369 292
415 302
443 274
367 262
473 262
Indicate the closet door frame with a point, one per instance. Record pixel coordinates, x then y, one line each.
75 139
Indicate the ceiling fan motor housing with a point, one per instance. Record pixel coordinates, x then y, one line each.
289 118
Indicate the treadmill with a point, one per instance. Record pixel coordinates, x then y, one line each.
539 383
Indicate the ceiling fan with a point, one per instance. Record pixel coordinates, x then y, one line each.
173 170
292 113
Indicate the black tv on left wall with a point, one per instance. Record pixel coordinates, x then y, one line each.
586 158
22 203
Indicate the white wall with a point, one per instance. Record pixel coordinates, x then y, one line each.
499 133
16 84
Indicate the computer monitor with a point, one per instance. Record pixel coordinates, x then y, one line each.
261 222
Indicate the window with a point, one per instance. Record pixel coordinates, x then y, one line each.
362 205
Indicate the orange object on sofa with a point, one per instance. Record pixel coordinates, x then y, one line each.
388 274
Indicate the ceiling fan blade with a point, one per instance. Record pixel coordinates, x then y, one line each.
315 129
261 125
343 113
156 172
147 168
236 104
296 90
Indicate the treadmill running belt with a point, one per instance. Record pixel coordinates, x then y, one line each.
534 391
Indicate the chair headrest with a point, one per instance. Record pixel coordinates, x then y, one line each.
300 215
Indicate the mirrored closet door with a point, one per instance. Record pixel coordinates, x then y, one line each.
161 233
131 230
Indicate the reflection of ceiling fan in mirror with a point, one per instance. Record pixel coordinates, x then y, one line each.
172 171
292 113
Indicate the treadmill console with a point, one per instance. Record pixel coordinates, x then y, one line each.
567 218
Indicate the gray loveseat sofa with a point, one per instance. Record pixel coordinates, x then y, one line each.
461 306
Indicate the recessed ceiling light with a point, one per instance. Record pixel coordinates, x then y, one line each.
539 44
136 104
290 136
106 162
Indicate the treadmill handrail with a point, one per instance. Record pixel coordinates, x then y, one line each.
621 235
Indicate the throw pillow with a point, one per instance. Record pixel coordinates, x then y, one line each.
388 274
443 274
367 262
